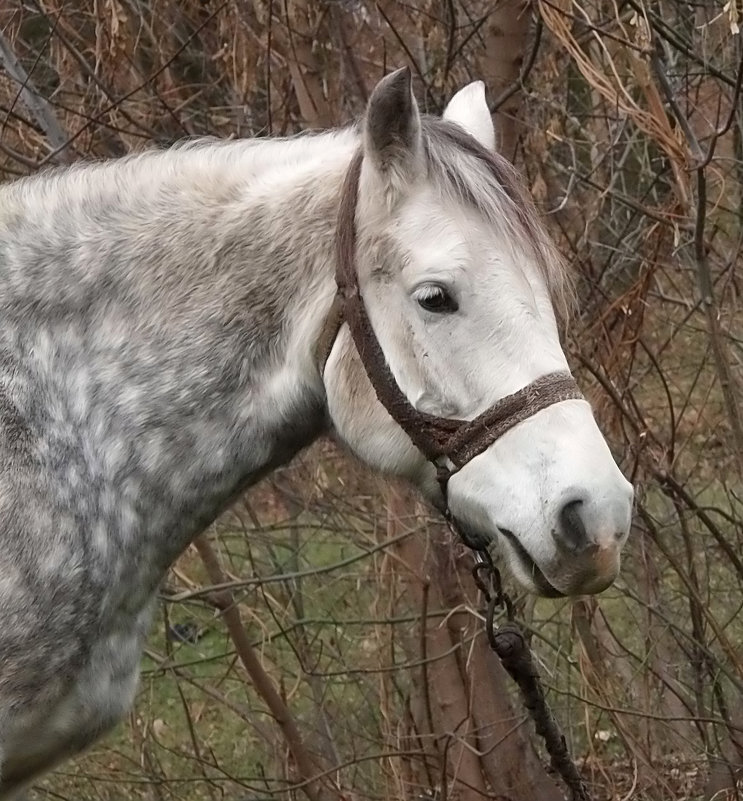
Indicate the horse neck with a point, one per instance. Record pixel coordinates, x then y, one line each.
176 342
277 282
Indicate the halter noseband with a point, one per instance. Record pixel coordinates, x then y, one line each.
438 438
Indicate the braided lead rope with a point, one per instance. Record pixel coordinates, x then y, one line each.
509 643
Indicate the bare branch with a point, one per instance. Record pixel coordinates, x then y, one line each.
35 103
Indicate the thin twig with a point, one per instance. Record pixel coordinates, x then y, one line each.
305 764
36 103
527 67
728 385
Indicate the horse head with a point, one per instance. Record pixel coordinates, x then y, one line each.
449 283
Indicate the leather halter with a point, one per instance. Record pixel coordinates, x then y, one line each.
449 444
440 439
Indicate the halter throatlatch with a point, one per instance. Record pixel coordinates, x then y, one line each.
449 444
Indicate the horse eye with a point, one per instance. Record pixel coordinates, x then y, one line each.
435 298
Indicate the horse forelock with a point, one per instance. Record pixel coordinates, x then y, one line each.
484 180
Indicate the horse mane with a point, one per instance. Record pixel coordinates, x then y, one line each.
477 177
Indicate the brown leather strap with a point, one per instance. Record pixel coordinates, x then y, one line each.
473 437
436 437
428 433
329 332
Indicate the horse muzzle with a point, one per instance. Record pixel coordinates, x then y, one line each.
587 540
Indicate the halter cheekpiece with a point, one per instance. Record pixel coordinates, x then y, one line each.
448 443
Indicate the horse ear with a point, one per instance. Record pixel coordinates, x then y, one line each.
392 128
469 109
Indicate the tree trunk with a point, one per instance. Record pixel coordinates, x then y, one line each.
481 741
499 62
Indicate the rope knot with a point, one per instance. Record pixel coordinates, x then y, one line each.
509 643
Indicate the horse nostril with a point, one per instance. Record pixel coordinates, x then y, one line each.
572 532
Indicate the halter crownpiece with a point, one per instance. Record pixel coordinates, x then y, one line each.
438 438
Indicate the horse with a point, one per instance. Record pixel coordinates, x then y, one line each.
177 323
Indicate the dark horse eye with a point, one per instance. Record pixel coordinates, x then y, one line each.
435 298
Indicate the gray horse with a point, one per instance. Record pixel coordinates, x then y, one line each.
159 317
